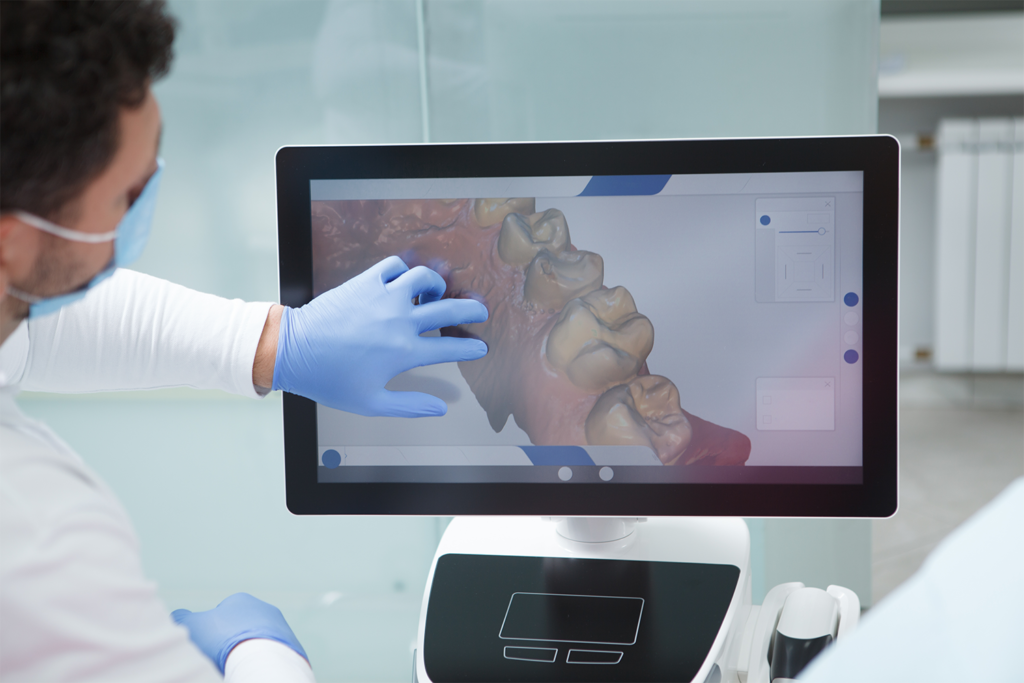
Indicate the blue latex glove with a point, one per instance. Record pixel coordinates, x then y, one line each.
342 347
239 617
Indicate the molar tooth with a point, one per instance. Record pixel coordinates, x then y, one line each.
523 237
643 412
600 340
552 281
515 245
491 211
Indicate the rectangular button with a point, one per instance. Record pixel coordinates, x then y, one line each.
593 657
531 654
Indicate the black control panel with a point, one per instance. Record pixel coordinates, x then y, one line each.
501 618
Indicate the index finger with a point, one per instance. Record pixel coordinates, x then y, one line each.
389 269
419 281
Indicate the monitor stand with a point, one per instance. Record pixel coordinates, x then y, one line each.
586 599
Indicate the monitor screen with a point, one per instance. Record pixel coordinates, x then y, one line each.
666 333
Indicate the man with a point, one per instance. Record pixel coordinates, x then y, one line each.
79 173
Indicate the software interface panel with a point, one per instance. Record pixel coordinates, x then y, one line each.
701 328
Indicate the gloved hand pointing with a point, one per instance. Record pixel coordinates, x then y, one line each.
342 347
238 617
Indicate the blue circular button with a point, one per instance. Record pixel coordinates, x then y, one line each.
850 357
765 220
331 458
851 299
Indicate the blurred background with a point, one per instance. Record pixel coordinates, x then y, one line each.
201 473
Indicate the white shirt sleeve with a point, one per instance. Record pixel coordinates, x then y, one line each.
266 661
136 331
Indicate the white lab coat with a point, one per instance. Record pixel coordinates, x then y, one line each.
74 601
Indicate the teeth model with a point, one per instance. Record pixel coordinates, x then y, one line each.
567 355
600 340
644 412
490 211
524 236
552 281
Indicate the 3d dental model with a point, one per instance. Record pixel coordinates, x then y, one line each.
567 355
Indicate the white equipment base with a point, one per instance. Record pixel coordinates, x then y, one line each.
664 599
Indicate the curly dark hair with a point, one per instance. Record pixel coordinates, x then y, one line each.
66 70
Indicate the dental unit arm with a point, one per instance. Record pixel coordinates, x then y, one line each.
519 570
791 627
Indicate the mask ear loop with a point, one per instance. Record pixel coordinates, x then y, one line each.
65 233
24 296
59 231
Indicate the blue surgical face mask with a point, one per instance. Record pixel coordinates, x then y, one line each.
129 238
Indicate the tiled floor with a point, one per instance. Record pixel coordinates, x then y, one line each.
952 462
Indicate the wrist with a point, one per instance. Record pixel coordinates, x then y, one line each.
266 350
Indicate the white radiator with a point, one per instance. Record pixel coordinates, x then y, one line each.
979 290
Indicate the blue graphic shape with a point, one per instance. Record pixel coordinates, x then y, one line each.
557 455
765 220
851 356
331 458
851 299
624 185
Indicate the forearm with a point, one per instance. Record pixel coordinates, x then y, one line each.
140 332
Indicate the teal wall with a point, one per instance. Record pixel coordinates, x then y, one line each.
202 473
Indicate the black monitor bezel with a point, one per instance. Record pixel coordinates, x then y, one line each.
877 156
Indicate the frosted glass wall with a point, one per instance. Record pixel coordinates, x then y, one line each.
201 474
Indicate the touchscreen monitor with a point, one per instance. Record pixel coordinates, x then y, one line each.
664 338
